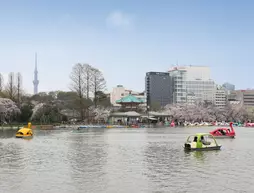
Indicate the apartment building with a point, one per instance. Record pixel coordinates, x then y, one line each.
220 98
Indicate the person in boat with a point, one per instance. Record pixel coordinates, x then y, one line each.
202 139
222 132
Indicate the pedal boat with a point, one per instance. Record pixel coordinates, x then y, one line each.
25 132
224 132
201 142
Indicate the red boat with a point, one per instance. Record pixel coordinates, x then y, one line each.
249 124
224 132
172 124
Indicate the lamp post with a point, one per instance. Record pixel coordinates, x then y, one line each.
147 109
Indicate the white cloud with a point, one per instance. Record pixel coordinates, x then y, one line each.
119 19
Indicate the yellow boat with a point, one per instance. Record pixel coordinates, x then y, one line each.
25 132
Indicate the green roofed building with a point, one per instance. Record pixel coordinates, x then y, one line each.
130 102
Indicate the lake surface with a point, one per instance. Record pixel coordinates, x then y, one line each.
124 161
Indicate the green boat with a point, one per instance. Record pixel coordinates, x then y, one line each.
201 142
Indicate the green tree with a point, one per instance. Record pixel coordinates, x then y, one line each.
42 97
26 112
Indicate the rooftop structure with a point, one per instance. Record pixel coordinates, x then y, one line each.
192 72
129 102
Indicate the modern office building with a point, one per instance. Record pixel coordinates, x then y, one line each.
158 88
119 92
179 91
202 89
192 83
228 86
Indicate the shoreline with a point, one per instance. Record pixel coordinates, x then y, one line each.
81 127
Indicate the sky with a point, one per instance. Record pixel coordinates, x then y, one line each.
126 39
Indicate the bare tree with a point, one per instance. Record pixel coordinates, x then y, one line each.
1 82
19 88
98 83
87 78
11 88
78 85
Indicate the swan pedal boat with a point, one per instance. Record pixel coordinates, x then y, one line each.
200 142
25 132
224 132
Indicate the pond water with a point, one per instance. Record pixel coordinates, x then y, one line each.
124 161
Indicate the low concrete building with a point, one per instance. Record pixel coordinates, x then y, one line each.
220 99
124 118
242 97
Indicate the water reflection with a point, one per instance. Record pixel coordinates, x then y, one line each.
12 165
164 162
125 166
7 133
199 155
123 160
87 157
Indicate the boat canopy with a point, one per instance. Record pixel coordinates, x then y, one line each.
199 135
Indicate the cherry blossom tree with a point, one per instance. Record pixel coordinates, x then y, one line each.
8 110
205 112
100 113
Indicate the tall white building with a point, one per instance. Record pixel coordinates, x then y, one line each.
119 92
192 84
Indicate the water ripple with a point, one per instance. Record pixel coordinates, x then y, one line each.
123 160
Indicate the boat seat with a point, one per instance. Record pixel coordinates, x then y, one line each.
207 143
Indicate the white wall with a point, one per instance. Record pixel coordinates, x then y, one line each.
116 94
197 72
